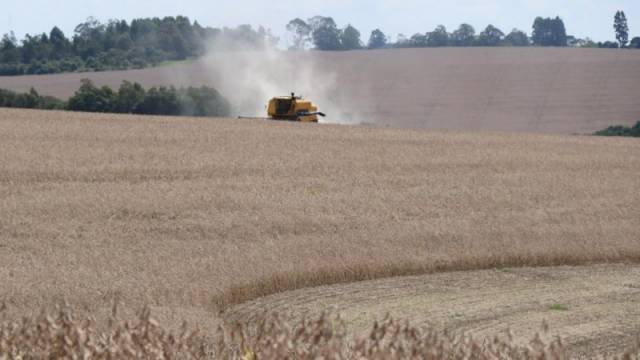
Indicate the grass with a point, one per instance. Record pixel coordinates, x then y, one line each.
185 214
176 62
559 307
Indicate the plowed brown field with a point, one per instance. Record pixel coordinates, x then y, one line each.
492 89
174 211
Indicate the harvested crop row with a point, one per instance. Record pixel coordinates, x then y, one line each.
594 309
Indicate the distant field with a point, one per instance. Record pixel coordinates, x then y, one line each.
543 90
174 212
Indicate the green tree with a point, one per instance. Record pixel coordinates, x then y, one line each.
418 40
350 38
517 38
203 101
549 32
608 45
325 33
88 38
161 101
28 100
438 37
620 130
621 28
119 45
35 48
129 97
402 41
6 98
586 43
541 35
463 36
491 36
51 103
559 32
377 40
92 99
635 43
9 52
301 32
60 44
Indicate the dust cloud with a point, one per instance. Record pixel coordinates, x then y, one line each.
249 78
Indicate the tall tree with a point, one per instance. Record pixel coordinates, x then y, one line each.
377 40
540 32
350 38
88 39
438 37
559 32
549 32
9 52
35 48
301 33
491 36
325 33
517 38
463 36
621 28
418 40
129 97
402 40
91 98
118 45
60 43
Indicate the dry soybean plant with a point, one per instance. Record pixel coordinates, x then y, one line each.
62 335
325 338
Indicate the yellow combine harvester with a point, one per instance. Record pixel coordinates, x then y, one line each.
291 108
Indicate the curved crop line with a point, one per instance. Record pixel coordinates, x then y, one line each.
287 281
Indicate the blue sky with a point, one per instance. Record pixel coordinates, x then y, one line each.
584 18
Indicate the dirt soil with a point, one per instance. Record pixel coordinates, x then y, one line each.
547 90
595 309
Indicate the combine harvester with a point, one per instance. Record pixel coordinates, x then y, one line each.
290 108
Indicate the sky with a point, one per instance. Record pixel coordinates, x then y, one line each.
583 18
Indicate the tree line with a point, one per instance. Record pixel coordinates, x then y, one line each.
118 44
130 98
620 130
322 33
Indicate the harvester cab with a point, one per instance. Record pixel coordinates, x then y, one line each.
293 108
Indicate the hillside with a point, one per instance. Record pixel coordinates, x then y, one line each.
175 212
547 90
